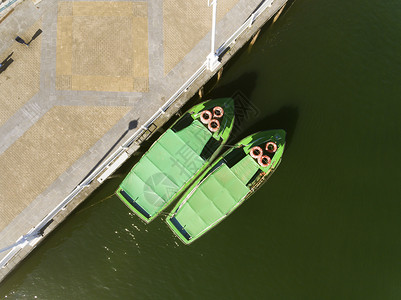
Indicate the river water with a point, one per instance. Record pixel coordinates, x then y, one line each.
327 225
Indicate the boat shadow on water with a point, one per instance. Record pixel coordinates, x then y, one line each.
244 84
241 90
285 118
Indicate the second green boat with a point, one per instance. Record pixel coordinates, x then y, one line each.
177 158
226 184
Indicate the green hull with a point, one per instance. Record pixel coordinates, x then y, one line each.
233 178
171 164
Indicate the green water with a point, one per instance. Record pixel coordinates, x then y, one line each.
327 225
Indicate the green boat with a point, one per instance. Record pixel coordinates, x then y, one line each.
181 154
229 181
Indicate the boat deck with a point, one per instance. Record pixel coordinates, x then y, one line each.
166 167
215 197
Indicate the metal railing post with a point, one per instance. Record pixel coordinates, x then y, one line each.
212 58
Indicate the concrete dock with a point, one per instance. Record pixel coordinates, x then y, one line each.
96 74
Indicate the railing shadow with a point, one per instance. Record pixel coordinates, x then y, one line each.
6 63
131 125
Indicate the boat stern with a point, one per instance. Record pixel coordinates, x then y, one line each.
178 229
133 206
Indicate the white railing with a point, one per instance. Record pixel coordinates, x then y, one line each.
5 5
248 23
34 235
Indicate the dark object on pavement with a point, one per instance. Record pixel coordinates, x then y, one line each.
5 64
37 33
20 40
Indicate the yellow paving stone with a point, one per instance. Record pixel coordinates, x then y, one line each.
102 46
102 83
140 47
21 81
141 84
185 23
140 9
102 8
64 44
65 9
64 82
47 150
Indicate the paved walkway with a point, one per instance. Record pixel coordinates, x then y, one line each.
70 96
